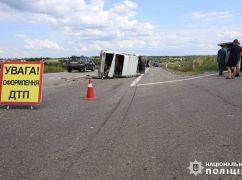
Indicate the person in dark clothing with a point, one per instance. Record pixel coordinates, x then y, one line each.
221 58
233 57
239 65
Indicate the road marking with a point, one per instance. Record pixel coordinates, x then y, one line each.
136 81
178 80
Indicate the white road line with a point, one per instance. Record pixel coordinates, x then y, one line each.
178 80
147 70
136 81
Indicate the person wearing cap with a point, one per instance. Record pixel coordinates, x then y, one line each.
233 57
221 57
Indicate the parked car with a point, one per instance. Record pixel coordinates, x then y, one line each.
82 63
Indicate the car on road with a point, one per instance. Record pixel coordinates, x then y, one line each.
156 64
80 63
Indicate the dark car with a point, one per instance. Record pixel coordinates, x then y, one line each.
156 64
82 63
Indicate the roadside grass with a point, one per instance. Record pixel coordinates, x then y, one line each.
55 65
53 68
192 66
96 60
53 61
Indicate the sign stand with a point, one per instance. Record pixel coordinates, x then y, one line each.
2 105
31 107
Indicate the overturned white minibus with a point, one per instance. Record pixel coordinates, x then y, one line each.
114 64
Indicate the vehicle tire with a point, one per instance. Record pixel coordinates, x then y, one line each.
79 70
93 68
69 70
84 69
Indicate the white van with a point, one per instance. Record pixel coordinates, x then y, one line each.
114 64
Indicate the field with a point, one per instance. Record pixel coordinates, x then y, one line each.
55 65
188 64
59 65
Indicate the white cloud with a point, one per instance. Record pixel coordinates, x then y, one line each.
233 34
199 40
39 44
88 23
89 27
42 44
125 8
5 52
212 16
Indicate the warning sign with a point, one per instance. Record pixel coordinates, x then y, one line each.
21 83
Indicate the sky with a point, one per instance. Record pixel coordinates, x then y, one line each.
54 28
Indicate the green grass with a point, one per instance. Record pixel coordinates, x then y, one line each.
53 61
53 69
192 66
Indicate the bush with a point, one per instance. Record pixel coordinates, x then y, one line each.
173 66
194 65
185 66
96 60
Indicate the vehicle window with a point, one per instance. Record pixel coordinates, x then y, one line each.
88 60
74 59
83 59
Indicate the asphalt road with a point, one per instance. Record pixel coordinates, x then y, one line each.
148 131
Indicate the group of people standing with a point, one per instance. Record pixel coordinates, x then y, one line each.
230 57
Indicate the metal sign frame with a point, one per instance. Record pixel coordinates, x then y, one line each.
40 83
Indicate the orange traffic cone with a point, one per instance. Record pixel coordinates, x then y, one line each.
90 92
